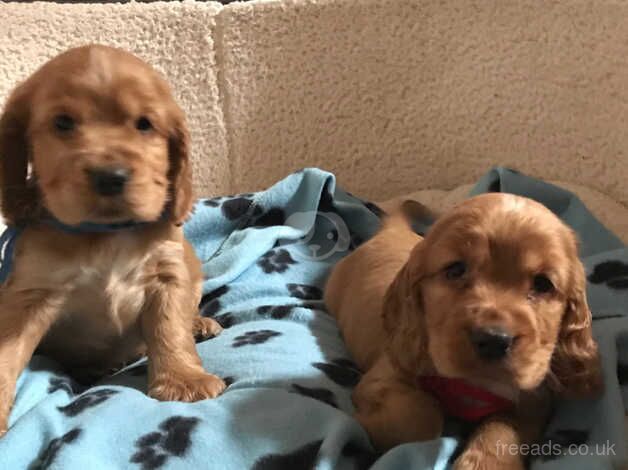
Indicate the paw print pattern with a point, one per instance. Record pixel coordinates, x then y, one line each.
314 305
305 292
48 456
228 381
275 311
213 202
171 440
254 337
303 458
210 302
321 394
276 261
86 401
612 273
235 208
66 384
341 371
217 201
272 217
226 320
260 219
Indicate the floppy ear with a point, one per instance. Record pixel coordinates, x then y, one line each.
19 197
576 364
415 211
403 321
180 173
417 215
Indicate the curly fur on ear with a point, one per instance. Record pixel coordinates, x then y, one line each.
403 322
19 196
180 174
576 365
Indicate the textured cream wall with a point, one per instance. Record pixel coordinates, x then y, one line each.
398 95
177 39
391 95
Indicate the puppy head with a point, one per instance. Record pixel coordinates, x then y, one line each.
496 293
104 138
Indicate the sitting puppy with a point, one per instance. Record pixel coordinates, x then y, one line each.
484 319
97 182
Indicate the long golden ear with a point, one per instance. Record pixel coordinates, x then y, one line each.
180 174
576 367
403 322
416 211
19 198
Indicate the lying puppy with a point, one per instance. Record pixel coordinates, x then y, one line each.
101 273
484 319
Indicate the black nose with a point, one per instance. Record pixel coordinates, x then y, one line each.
108 181
491 343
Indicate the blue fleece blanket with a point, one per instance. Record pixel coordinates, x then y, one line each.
288 405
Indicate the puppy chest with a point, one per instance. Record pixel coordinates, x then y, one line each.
107 296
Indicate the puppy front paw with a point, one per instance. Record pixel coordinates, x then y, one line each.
473 459
4 419
188 387
205 328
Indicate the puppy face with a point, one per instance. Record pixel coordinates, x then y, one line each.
500 291
104 137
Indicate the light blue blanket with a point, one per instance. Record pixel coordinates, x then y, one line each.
288 406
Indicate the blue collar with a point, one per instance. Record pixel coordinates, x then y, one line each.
7 247
90 227
9 236
11 233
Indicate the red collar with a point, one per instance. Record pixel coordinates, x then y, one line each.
463 400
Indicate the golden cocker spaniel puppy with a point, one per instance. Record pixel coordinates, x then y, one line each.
484 319
96 177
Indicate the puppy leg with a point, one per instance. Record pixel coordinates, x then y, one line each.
205 328
175 372
393 411
25 317
493 446
496 444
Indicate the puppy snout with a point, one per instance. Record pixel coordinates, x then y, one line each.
108 181
491 344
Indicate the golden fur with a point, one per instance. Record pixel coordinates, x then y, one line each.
403 317
97 300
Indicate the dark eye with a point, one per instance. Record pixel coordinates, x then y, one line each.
64 123
143 124
542 285
455 270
